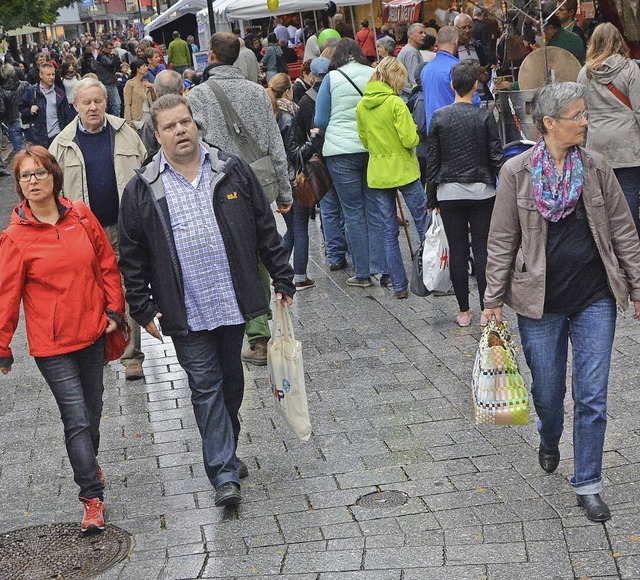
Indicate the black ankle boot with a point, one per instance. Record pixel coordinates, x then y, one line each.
597 510
549 459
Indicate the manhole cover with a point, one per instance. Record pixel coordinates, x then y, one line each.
383 499
60 551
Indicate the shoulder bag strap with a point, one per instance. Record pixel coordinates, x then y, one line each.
619 95
346 76
234 122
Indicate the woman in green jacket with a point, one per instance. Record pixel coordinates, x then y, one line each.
387 130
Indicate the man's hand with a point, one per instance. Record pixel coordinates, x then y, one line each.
152 329
497 312
111 325
283 208
34 109
636 309
286 300
5 370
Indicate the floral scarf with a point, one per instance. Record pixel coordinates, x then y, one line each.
556 196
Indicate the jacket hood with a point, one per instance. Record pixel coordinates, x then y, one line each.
610 69
376 93
11 84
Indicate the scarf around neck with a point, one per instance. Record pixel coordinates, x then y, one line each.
556 195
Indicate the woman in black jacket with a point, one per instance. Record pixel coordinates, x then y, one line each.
464 156
298 149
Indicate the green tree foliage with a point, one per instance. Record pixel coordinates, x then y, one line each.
16 13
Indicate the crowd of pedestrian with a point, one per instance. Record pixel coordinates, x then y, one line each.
135 158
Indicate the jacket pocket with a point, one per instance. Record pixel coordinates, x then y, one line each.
55 335
530 217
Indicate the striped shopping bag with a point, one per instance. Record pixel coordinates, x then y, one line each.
499 394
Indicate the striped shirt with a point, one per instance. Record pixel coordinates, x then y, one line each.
210 299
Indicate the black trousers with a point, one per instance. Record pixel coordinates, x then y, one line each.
459 217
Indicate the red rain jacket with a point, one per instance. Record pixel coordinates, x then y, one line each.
56 271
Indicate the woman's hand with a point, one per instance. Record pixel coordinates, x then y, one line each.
111 325
636 309
283 208
5 370
497 312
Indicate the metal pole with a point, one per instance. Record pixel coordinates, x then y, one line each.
212 24
544 44
373 26
315 19
353 22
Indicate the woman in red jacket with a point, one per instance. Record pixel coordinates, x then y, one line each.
66 274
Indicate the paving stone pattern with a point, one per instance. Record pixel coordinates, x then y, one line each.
388 387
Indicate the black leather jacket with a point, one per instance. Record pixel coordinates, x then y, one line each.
296 144
463 146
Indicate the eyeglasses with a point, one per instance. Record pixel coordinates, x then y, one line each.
576 118
39 175
464 27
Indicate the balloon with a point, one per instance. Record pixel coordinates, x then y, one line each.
325 34
273 5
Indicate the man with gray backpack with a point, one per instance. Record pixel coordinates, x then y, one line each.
244 124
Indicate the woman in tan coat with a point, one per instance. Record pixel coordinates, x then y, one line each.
564 253
139 95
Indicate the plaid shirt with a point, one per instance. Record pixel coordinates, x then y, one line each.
210 299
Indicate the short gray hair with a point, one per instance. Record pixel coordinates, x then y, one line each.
88 83
388 43
447 35
461 18
553 100
7 71
165 103
414 27
479 11
168 82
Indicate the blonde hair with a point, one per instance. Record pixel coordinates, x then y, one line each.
274 102
606 40
392 72
279 85
328 51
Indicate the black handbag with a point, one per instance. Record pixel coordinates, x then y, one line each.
312 181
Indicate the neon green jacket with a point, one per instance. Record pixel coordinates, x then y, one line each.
388 132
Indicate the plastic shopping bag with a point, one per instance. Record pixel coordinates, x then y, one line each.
435 257
499 394
286 374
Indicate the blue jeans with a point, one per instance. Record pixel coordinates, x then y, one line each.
75 379
545 345
211 359
15 135
296 239
416 201
333 227
629 179
113 100
362 218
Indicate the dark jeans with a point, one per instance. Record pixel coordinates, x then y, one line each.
211 359
296 239
457 217
75 379
629 178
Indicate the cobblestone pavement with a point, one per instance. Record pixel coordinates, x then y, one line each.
388 384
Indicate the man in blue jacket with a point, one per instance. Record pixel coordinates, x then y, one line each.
45 108
436 75
192 224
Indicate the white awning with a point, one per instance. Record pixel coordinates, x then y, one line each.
188 6
23 30
248 9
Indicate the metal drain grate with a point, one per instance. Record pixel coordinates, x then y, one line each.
383 499
60 551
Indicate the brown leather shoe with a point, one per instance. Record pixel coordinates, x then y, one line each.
133 372
256 353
